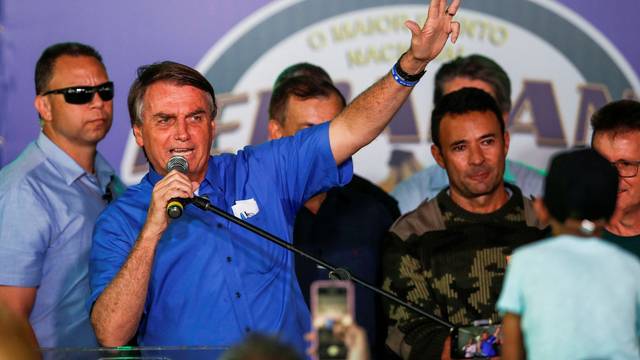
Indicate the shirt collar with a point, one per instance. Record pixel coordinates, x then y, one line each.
69 168
104 172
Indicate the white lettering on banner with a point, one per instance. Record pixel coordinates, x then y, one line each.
552 99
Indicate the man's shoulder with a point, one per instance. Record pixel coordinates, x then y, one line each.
27 170
432 178
524 169
529 179
426 217
318 134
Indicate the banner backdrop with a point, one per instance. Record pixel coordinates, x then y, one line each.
565 59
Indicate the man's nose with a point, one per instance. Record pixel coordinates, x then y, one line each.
476 156
181 130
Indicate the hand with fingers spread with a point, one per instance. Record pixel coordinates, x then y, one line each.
427 42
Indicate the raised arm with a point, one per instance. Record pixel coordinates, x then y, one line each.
367 116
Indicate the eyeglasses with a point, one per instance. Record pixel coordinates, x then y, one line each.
626 168
84 94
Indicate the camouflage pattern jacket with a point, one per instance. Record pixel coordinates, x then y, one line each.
451 263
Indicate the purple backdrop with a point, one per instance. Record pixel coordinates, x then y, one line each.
131 33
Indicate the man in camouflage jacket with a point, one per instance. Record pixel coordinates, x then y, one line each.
449 255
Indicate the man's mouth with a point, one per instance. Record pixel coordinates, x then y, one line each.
479 175
181 151
97 121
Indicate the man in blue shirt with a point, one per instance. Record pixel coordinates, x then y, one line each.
344 226
51 195
200 280
483 73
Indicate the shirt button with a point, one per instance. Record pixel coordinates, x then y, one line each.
247 329
228 259
219 226
237 294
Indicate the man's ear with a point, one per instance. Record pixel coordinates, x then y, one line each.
213 129
541 211
437 155
137 132
43 107
507 140
275 129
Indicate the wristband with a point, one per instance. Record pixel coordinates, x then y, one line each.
404 79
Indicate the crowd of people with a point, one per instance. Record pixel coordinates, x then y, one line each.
87 263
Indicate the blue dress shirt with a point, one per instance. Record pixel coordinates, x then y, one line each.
48 206
427 183
212 282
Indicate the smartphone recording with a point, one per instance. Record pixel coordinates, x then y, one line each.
332 303
476 342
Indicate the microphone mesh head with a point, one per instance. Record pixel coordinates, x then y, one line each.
178 163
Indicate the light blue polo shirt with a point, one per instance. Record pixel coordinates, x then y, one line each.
48 207
577 298
213 282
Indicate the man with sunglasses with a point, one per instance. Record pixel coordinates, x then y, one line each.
616 136
51 195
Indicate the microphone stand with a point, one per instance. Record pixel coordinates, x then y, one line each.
335 272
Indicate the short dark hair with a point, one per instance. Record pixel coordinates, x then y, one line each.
46 62
304 87
617 116
580 184
476 67
260 347
300 69
168 71
461 102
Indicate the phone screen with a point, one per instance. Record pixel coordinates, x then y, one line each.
469 342
332 303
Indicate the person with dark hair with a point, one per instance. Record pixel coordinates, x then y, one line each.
308 91
302 69
52 194
573 295
483 73
616 136
200 279
261 347
345 225
448 256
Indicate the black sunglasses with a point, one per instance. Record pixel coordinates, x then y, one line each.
84 94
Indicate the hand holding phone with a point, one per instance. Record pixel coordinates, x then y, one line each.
332 304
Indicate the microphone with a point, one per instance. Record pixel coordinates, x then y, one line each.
175 205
